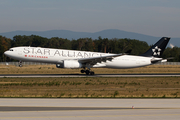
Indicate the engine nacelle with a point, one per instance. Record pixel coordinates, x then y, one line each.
69 64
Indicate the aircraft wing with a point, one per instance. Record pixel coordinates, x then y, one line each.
94 60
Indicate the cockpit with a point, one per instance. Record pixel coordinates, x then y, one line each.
10 49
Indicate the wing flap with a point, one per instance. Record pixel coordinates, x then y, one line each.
95 60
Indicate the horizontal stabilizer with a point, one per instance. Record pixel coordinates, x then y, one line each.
155 60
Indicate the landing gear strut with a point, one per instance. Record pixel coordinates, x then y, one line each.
20 63
87 71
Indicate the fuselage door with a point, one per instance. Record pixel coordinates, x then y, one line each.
20 51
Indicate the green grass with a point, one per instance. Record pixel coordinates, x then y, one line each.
91 87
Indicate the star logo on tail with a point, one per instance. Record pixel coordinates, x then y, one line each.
156 51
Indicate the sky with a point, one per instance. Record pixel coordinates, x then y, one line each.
150 17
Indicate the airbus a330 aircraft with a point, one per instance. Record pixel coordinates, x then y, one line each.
87 60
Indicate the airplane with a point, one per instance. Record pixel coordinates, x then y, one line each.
87 60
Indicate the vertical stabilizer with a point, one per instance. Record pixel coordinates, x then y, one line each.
157 49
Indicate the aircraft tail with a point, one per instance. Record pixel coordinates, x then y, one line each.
157 49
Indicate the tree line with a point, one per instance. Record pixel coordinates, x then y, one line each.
105 45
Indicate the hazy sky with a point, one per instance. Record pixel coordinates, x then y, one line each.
151 17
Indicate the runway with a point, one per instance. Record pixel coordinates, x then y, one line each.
5 108
83 75
95 109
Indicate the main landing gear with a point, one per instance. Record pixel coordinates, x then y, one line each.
87 71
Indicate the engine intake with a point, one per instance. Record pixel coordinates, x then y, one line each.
60 65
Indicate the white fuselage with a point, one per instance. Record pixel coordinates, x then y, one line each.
49 55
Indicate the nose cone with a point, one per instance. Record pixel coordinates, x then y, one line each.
10 53
6 53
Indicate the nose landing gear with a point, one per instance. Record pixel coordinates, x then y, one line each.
20 63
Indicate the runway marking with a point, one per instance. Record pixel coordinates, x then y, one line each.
90 116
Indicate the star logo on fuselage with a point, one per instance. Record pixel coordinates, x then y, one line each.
156 51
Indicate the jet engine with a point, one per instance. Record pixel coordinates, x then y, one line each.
69 64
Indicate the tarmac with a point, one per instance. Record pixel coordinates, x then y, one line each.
76 109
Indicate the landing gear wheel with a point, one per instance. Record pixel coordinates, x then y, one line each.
20 65
82 71
92 73
87 72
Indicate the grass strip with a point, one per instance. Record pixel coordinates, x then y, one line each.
124 87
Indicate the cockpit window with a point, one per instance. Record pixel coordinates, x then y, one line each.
11 50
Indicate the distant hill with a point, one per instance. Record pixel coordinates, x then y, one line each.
109 33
